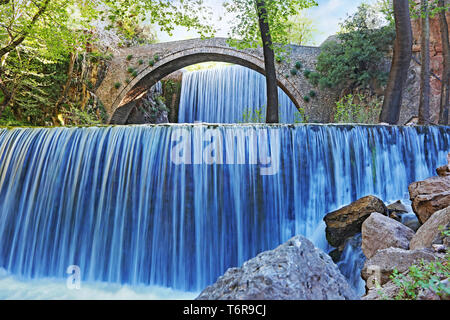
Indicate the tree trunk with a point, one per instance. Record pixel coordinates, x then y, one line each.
68 81
400 63
425 86
269 62
445 90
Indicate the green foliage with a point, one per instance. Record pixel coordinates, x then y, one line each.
300 116
301 30
245 32
307 73
312 94
353 61
424 276
117 85
134 73
298 65
141 62
253 115
279 59
357 108
129 57
151 63
130 70
306 98
156 57
294 72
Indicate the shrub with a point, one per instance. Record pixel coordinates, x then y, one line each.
117 85
129 57
354 61
312 94
151 63
294 72
424 276
306 99
156 57
130 70
279 59
307 73
134 73
298 65
141 62
358 108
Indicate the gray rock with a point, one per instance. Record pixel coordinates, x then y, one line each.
383 263
430 231
380 232
296 270
397 207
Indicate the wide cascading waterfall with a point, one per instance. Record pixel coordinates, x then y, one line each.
177 205
222 95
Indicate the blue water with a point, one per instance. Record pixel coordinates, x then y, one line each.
119 203
229 94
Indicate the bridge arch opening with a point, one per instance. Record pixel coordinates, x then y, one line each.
149 76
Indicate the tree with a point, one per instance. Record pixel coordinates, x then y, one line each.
445 91
36 34
301 30
265 23
400 63
425 73
353 62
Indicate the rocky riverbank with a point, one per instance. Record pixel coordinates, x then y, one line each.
392 242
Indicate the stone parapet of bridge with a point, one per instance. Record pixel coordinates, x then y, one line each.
121 87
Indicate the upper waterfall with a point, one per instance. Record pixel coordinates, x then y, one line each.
229 94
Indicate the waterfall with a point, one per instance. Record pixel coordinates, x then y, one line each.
176 205
230 94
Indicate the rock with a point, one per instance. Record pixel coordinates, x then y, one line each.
430 230
429 196
380 232
383 263
411 221
296 270
388 291
445 170
346 222
397 207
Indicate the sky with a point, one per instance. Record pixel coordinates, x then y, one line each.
326 18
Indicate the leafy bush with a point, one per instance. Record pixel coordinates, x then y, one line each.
306 99
294 72
253 115
357 108
298 65
151 63
424 276
117 85
354 59
141 62
129 57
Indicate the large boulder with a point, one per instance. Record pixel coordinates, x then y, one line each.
430 232
347 221
381 266
429 196
380 232
444 171
296 270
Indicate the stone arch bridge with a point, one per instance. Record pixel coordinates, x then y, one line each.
173 56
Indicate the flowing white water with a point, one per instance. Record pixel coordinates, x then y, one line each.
115 203
229 94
